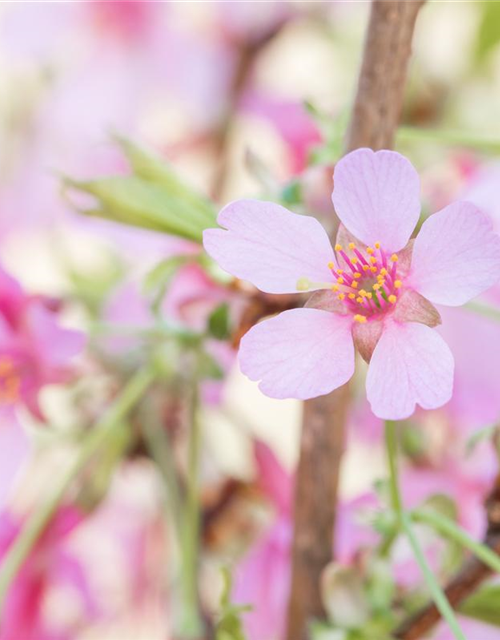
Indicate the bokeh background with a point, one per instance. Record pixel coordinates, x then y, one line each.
242 98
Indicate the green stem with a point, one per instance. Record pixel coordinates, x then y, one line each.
158 444
484 310
392 453
437 593
34 527
450 530
191 624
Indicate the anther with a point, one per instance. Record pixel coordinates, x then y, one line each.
340 271
377 245
341 296
392 298
369 251
373 269
351 296
354 284
398 284
357 276
394 258
359 318
352 246
340 280
373 260
360 300
338 247
331 265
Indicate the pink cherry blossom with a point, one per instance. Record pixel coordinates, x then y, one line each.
49 564
34 349
375 291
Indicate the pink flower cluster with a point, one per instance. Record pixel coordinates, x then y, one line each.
34 348
375 291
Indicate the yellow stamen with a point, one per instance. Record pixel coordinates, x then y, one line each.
373 269
369 295
376 287
351 296
373 260
359 318
365 267
354 260
338 247
354 284
398 284
377 245
394 258
352 246
330 265
340 280
362 292
340 271
360 300
383 271
369 251
357 276
392 298
341 296
335 287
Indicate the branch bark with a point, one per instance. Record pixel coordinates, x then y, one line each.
468 579
375 116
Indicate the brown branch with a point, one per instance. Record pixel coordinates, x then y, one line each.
375 117
467 580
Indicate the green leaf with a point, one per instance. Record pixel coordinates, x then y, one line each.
208 367
488 34
218 322
134 201
151 167
229 625
484 605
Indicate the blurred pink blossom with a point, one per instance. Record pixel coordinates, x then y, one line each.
49 564
34 349
262 579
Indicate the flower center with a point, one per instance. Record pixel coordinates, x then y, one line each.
369 283
10 382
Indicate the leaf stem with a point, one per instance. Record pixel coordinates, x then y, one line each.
450 530
190 620
436 592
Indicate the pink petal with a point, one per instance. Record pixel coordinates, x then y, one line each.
301 353
456 255
270 246
273 479
411 364
377 197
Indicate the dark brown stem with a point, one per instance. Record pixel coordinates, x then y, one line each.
468 579
375 117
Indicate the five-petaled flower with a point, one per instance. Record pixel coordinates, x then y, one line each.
375 290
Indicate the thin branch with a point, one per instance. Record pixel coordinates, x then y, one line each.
375 117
